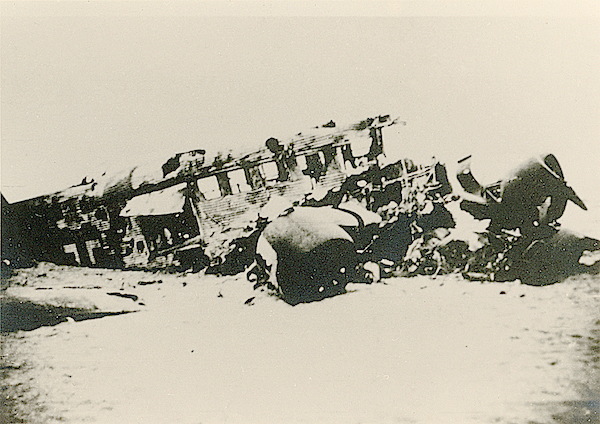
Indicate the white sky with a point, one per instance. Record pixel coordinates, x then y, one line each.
90 86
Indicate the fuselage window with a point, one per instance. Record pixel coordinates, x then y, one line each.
209 187
270 171
238 181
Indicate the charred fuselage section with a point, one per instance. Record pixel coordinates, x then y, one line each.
188 213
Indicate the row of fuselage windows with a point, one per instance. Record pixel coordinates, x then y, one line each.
257 177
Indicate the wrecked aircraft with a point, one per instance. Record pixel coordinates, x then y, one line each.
189 213
304 217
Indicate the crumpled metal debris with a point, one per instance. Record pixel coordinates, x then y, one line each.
524 239
358 232
377 225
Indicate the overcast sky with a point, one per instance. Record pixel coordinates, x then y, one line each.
94 86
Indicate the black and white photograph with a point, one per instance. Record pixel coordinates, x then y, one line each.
298 212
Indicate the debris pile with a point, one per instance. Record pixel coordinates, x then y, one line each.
369 228
352 233
523 239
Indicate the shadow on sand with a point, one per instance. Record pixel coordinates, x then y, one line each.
25 315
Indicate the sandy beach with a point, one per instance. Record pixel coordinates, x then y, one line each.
207 349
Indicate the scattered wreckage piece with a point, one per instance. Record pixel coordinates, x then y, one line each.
242 253
28 308
553 259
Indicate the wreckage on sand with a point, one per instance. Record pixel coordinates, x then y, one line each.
186 212
303 217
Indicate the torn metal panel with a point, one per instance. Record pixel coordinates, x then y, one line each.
163 202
